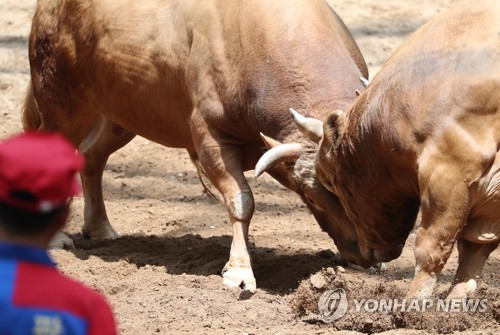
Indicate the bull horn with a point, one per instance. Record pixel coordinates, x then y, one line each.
358 93
269 142
280 153
311 128
364 81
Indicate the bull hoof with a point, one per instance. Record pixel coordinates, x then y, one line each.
103 232
239 277
463 290
61 241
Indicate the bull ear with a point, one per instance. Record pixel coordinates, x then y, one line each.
277 153
334 128
309 127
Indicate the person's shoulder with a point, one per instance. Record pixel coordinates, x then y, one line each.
49 282
44 287
99 312
68 291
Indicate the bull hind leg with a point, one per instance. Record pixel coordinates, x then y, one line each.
471 259
40 113
222 164
104 139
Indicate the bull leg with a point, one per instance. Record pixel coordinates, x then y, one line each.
75 126
444 201
104 139
223 167
238 270
61 241
228 178
471 259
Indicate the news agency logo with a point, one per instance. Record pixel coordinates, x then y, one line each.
333 305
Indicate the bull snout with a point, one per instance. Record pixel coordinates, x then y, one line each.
368 257
353 253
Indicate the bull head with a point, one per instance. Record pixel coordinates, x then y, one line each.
292 164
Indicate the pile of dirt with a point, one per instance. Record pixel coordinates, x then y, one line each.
376 303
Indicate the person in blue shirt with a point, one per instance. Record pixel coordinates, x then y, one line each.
37 180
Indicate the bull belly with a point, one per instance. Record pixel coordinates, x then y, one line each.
163 122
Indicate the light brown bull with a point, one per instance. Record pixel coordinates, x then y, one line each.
426 132
207 76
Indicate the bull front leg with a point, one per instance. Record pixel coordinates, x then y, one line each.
445 204
238 270
222 164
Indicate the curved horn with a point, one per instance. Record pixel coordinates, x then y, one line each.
269 142
311 128
364 81
283 152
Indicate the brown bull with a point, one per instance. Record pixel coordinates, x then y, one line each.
426 132
207 76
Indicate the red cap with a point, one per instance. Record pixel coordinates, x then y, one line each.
38 171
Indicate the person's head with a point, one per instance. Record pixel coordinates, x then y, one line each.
37 180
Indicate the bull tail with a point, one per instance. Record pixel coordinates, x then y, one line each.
31 117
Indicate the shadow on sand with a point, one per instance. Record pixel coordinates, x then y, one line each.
276 271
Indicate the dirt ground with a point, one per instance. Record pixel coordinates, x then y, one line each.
163 275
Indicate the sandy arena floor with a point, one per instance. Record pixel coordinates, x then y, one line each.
163 275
